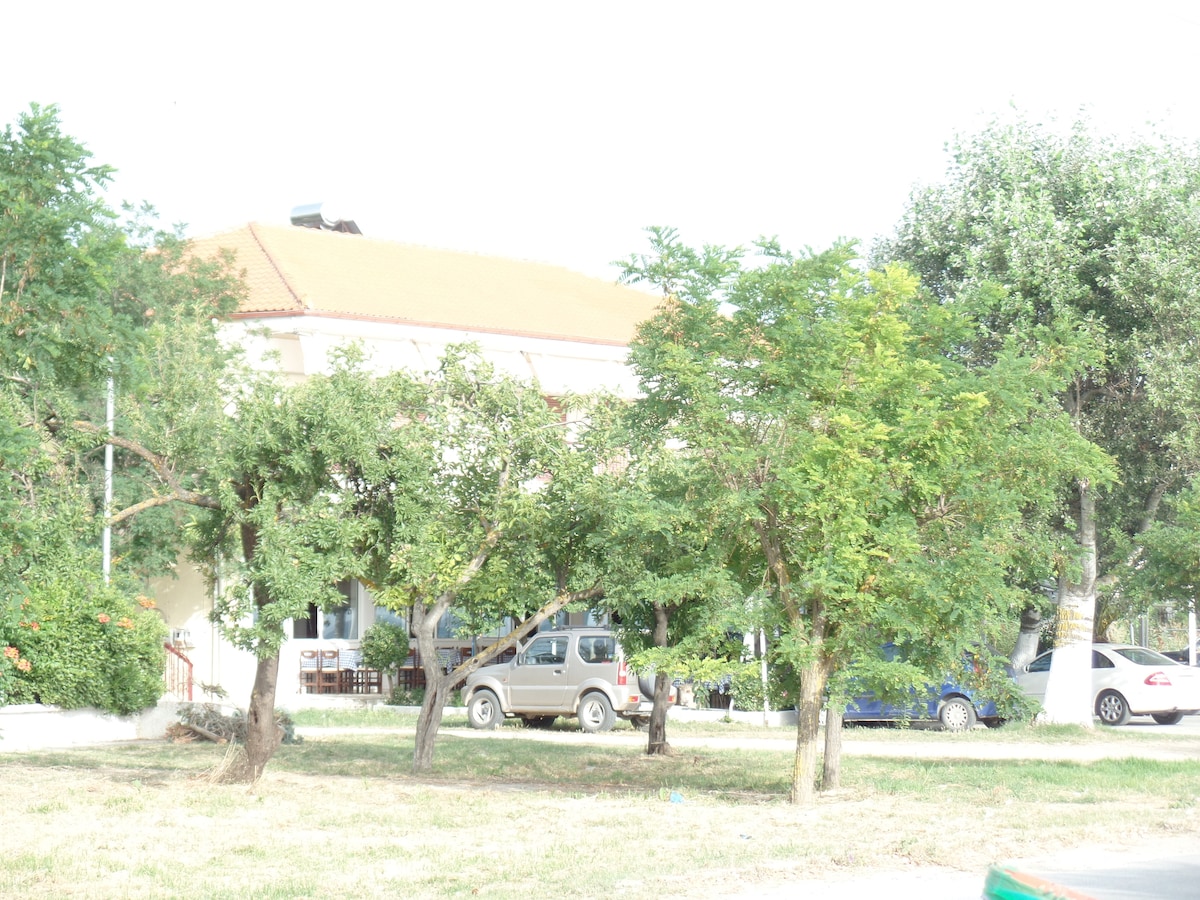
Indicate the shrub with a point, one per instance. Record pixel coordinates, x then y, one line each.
746 688
406 696
86 645
385 646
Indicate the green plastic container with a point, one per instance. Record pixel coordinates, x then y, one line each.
1008 884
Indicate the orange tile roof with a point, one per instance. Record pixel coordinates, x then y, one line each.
303 271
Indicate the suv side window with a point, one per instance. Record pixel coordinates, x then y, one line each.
600 649
547 651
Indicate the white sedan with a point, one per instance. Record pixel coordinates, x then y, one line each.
1127 681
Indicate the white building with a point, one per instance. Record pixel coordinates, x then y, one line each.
314 289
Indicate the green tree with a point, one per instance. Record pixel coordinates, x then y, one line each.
1084 242
282 525
666 566
472 517
883 486
81 296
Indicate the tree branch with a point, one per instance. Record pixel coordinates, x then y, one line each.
178 493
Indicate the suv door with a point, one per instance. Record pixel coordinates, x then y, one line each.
539 679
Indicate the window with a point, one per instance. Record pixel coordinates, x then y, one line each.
339 623
449 626
597 649
547 651
306 628
1041 664
390 616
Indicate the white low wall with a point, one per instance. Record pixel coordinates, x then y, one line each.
35 727
771 719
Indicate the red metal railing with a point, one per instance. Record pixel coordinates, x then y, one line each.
179 673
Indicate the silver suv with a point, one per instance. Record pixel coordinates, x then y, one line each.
572 672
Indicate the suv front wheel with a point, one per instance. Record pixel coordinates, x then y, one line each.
484 710
596 713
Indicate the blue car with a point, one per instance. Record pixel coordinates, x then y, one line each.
954 706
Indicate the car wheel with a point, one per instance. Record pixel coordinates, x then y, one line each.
1112 708
1173 718
596 713
484 710
538 721
957 714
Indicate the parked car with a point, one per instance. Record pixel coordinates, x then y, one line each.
956 707
1127 680
1182 655
572 672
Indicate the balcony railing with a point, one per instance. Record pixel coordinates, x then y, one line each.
179 674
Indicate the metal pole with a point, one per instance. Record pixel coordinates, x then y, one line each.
766 708
1192 634
106 542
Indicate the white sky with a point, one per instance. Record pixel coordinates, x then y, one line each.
556 131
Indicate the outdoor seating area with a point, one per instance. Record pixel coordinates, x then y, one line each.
337 672
342 671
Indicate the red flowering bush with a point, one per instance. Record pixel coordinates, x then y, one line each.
76 645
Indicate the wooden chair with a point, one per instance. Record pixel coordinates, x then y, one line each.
368 681
310 665
329 679
349 665
412 676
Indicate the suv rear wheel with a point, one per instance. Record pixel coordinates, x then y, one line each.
484 710
596 713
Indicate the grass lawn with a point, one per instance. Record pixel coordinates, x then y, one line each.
340 814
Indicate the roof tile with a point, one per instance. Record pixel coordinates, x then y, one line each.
304 271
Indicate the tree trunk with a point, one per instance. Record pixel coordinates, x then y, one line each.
657 744
831 765
263 735
440 685
1026 646
1068 698
438 688
808 722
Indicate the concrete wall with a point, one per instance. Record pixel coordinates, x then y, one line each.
34 727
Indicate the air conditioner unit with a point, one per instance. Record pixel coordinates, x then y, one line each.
181 637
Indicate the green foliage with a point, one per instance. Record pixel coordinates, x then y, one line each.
1085 251
401 696
292 462
87 645
662 541
880 488
1169 566
85 297
746 687
385 646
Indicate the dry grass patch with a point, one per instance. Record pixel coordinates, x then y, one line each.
503 818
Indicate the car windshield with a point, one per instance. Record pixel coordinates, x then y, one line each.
1140 656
